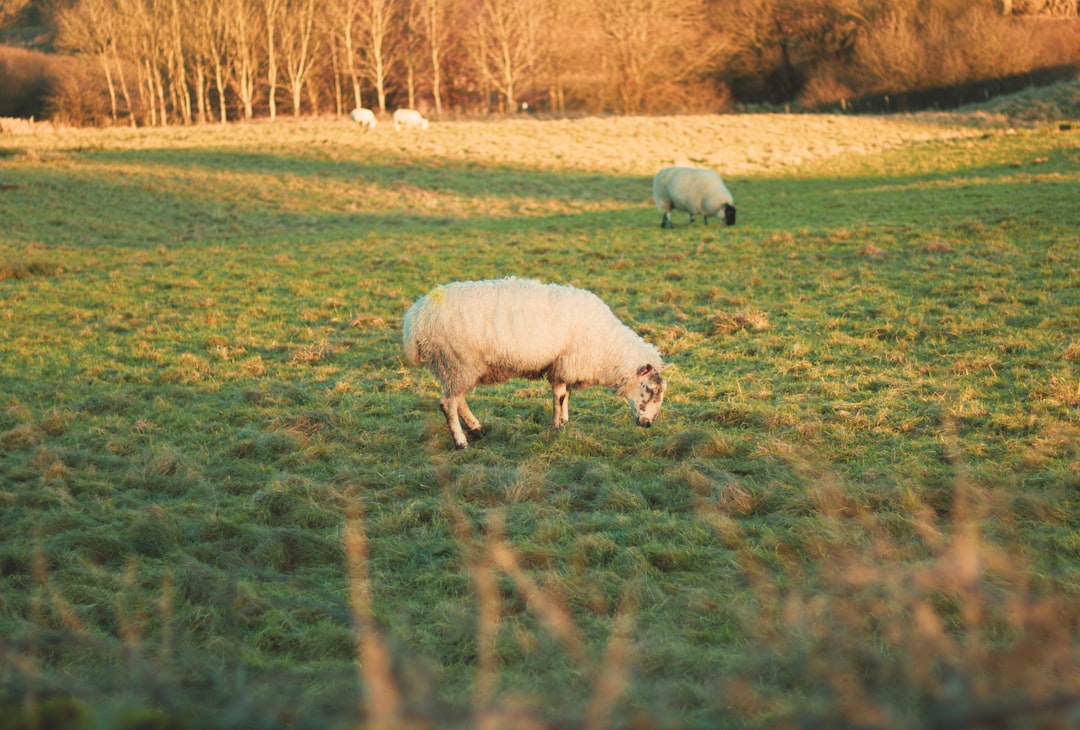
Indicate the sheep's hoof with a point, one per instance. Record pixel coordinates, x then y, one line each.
461 446
476 433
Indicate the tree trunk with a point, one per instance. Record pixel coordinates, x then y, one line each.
109 82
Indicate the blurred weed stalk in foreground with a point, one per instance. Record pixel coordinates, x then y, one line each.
946 631
386 708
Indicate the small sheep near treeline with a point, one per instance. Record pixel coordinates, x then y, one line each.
694 191
474 332
409 119
364 117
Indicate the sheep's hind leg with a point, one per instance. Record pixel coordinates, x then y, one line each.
471 422
449 406
560 405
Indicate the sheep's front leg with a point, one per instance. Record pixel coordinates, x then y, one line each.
449 406
560 405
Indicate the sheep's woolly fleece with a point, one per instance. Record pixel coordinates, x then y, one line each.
694 191
521 326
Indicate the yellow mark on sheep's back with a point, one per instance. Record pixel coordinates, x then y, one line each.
436 295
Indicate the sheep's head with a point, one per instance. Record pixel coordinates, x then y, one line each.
729 214
647 396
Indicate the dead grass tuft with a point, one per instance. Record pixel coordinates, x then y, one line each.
25 269
312 353
23 436
936 247
697 442
367 321
726 323
739 501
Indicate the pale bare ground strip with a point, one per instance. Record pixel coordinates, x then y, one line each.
735 144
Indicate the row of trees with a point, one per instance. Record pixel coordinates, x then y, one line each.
164 61
196 60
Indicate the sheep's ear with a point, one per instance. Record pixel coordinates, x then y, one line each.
644 369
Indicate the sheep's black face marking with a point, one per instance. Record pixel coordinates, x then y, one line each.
648 396
729 214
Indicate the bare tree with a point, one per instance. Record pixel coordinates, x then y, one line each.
176 54
506 44
435 22
271 18
476 46
379 44
211 29
563 41
298 46
242 51
145 36
341 17
411 12
90 27
200 27
655 51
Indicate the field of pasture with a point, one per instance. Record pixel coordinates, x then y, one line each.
225 501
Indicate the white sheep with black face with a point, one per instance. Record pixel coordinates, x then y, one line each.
694 191
475 332
364 117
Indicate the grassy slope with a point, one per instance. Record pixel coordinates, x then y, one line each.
199 343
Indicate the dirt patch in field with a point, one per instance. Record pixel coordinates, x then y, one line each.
733 144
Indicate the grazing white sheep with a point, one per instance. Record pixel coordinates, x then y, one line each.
364 117
490 331
409 119
694 191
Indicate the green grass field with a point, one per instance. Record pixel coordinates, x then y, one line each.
225 501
